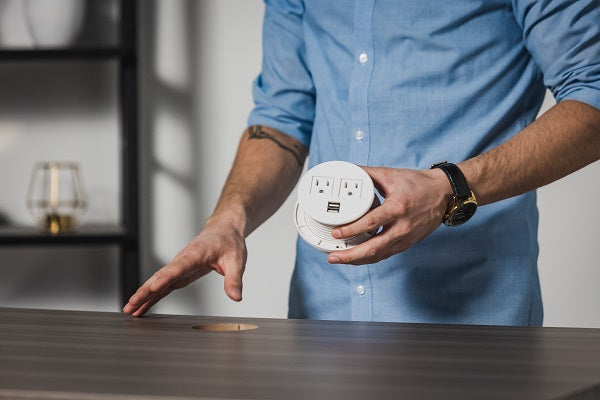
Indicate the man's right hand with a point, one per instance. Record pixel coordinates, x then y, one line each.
219 247
267 165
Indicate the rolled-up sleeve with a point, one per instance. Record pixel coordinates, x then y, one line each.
283 92
563 36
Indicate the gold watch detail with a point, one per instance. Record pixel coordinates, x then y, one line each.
463 203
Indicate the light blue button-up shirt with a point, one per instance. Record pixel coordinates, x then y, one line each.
406 84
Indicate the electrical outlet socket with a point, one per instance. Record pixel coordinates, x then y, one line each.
321 186
330 194
350 188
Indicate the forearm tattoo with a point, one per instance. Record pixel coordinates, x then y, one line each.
257 132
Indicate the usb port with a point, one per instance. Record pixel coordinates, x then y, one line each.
333 207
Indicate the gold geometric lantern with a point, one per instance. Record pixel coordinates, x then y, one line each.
56 197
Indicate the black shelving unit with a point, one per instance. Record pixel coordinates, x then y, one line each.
75 54
126 236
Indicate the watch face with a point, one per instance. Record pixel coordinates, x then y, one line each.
462 213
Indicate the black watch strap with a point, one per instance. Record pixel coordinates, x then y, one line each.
457 179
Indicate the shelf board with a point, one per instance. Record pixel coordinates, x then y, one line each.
61 54
86 235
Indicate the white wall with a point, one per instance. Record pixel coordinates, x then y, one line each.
198 60
204 58
569 234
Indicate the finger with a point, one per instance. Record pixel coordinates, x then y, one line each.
373 172
145 307
377 248
161 278
151 301
141 310
161 287
369 222
233 268
170 273
145 292
139 297
378 177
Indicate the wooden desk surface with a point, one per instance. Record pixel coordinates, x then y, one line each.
83 355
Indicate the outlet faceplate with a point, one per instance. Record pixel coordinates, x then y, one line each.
336 192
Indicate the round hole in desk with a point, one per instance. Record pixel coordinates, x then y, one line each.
230 327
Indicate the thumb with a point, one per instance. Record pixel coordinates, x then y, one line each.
233 264
376 173
233 278
377 176
233 285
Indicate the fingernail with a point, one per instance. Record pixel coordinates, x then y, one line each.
333 260
336 233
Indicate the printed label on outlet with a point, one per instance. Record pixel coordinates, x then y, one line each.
321 186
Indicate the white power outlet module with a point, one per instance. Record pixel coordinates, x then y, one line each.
331 194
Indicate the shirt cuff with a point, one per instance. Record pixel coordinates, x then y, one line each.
588 96
295 129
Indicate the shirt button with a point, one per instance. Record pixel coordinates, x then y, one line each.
360 289
363 58
359 135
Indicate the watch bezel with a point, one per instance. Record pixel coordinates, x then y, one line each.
461 210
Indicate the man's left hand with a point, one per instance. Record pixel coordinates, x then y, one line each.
415 203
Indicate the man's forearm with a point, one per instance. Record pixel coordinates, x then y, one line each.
563 140
267 165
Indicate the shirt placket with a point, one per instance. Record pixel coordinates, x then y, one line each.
360 137
361 294
360 134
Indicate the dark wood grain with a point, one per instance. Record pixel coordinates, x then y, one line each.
69 355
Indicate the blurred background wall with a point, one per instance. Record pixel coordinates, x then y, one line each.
198 59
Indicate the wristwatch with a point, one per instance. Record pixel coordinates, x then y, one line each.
463 203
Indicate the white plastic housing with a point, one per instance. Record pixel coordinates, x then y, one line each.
331 194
